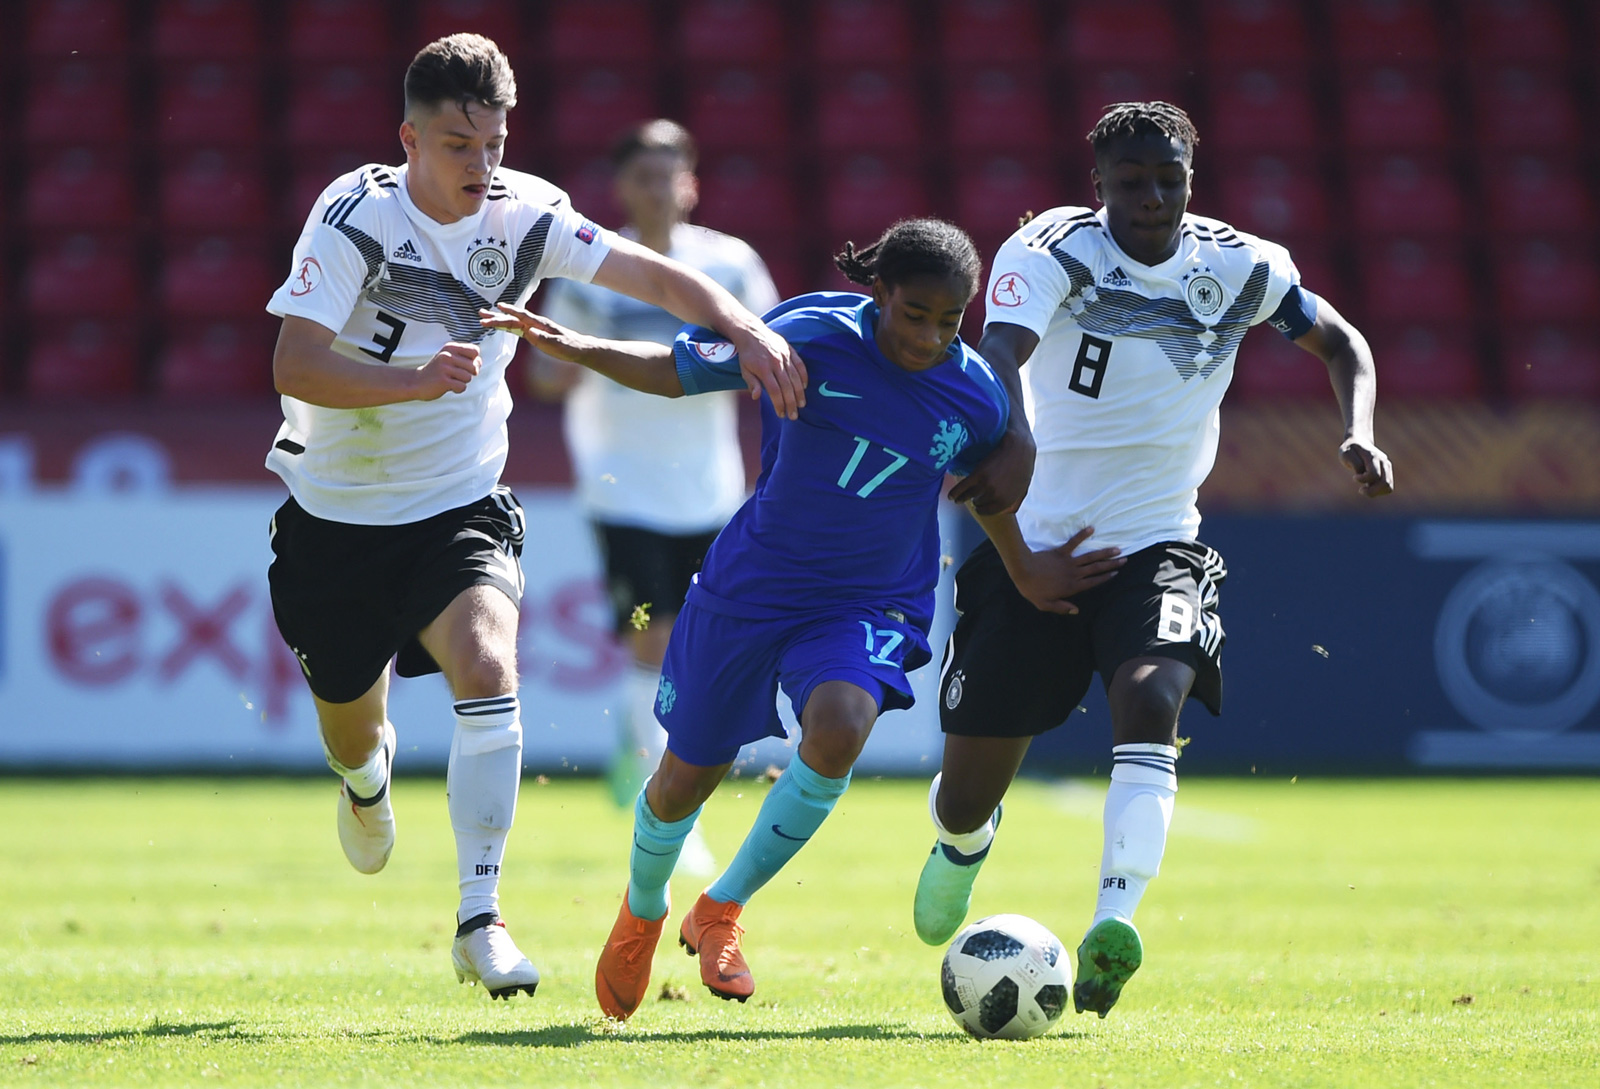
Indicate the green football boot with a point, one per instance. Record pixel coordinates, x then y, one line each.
944 891
1109 955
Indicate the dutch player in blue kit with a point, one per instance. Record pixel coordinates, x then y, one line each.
822 583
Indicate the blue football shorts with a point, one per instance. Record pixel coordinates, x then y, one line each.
720 680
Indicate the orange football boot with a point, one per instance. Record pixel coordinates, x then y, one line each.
622 975
711 930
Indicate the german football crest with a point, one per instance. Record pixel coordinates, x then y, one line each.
1204 293
488 266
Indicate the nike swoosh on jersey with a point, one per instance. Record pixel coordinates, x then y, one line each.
826 392
785 835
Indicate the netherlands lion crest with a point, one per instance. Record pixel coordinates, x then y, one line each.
948 441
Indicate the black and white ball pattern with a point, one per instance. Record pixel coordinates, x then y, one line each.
1005 977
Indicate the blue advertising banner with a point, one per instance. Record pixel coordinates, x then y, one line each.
1390 645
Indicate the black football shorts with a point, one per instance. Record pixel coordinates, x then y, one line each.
1011 670
348 598
646 567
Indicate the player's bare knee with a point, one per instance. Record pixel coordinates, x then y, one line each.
830 746
1147 712
483 675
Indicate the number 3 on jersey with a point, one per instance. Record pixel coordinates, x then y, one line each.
386 344
855 460
1089 369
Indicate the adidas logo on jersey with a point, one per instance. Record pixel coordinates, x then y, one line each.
1116 278
407 252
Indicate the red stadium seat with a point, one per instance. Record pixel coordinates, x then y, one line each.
216 277
86 359
864 196
1404 194
1272 197
1270 33
1515 30
1530 194
1395 108
1408 281
1552 360
746 197
591 109
209 190
1384 32
600 32
589 187
1525 109
79 101
1270 366
1096 88
344 107
990 32
1317 272
79 188
1262 109
1538 281
87 28
216 104
82 274
1425 361
997 109
861 32
338 31
494 19
732 32
218 359
206 30
313 172
1136 33
738 110
868 110
992 196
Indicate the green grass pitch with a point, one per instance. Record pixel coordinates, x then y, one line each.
1392 933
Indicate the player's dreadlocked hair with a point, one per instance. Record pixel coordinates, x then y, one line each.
913 247
462 68
1143 119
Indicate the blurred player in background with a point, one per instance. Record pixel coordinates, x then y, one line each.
398 538
656 477
822 583
1132 316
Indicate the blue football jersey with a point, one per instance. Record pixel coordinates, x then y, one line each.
846 507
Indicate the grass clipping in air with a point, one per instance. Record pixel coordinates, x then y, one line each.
1395 933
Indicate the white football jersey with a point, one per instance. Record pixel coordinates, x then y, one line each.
396 286
667 465
1124 387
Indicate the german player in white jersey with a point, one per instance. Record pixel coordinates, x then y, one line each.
657 477
1130 317
397 541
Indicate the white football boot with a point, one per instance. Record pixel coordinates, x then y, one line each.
484 953
366 825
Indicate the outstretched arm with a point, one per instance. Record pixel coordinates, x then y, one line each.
637 364
1050 578
766 359
1000 481
1344 351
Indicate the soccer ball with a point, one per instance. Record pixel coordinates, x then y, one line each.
1005 977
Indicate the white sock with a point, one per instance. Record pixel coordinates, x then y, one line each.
967 843
645 735
485 772
1144 781
366 781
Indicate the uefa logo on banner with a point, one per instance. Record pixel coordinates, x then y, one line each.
1516 645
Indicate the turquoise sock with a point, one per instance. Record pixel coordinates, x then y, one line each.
795 808
656 844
